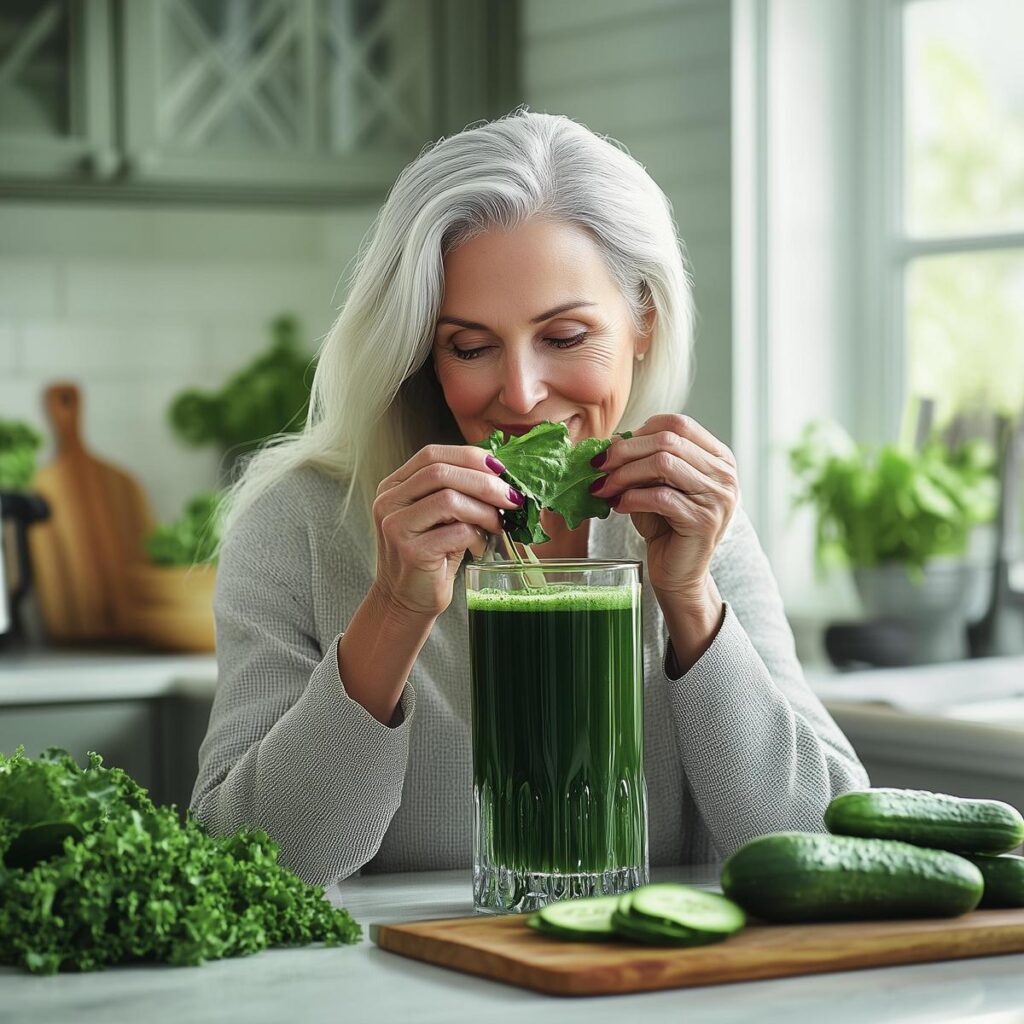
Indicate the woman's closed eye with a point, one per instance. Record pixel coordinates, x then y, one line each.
560 343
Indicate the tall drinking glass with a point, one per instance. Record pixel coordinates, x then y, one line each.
558 731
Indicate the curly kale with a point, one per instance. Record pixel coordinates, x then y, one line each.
94 874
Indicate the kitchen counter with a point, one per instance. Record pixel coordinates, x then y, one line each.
364 983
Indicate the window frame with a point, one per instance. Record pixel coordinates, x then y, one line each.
889 249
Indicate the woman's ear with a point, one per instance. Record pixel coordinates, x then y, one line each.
643 341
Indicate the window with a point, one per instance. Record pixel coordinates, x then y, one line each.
959 241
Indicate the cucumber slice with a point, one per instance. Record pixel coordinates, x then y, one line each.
687 907
655 933
588 918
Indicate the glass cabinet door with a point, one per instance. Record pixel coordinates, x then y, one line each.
331 95
56 90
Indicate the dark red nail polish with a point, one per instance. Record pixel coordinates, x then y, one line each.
494 465
597 484
515 496
599 459
614 501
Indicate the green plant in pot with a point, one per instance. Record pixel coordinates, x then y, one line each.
910 524
173 592
18 445
268 396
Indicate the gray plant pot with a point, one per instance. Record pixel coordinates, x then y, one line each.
936 608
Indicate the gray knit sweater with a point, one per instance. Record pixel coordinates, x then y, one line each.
736 747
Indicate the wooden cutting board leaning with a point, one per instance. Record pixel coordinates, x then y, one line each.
507 949
99 516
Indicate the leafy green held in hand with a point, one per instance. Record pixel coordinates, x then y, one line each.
93 874
551 473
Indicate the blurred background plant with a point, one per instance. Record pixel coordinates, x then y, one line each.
268 396
18 445
192 538
891 505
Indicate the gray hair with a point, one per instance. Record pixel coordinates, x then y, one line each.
375 400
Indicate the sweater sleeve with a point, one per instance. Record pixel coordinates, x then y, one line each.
287 750
760 751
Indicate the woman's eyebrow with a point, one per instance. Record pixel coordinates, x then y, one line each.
473 326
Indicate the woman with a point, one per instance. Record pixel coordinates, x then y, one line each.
520 271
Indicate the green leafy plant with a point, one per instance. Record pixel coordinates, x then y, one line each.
551 473
893 505
94 874
190 539
269 396
18 445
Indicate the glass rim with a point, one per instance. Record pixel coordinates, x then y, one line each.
556 565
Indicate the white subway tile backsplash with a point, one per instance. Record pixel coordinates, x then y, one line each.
8 349
199 288
29 287
122 346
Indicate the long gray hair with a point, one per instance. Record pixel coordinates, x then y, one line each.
375 400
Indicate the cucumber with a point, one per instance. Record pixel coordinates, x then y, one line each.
935 820
809 876
588 918
1004 879
656 933
664 915
686 907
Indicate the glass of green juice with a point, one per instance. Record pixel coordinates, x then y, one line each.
560 799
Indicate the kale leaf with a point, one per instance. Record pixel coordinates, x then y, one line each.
93 874
551 473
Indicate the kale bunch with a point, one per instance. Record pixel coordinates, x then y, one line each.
551 472
94 874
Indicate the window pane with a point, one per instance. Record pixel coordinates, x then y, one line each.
965 331
964 115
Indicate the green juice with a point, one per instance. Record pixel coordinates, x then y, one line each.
558 768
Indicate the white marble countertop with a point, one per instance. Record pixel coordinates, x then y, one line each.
364 983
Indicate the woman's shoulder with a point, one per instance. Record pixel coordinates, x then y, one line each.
300 505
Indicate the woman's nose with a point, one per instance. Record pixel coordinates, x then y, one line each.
523 384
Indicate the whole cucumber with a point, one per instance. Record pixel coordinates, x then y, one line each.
936 820
1004 879
812 876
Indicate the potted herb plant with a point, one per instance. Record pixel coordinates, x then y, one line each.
173 592
270 395
912 525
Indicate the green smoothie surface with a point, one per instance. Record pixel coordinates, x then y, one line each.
555 597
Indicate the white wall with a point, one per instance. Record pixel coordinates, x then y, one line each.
135 303
655 74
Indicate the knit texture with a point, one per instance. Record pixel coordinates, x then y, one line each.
736 747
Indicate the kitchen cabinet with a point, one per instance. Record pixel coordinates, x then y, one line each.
56 90
294 99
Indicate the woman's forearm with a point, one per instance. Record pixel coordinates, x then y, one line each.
377 653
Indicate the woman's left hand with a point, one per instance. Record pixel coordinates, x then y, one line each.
678 483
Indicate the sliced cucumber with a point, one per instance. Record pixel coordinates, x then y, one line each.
686 907
656 933
589 918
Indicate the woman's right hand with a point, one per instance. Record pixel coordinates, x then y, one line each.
428 513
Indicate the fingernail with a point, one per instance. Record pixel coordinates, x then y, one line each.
597 484
599 459
494 465
515 496
614 501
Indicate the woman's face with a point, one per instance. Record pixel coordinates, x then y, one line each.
532 327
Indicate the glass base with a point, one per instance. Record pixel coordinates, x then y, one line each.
500 890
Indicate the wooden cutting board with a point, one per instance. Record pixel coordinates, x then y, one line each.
98 517
506 949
